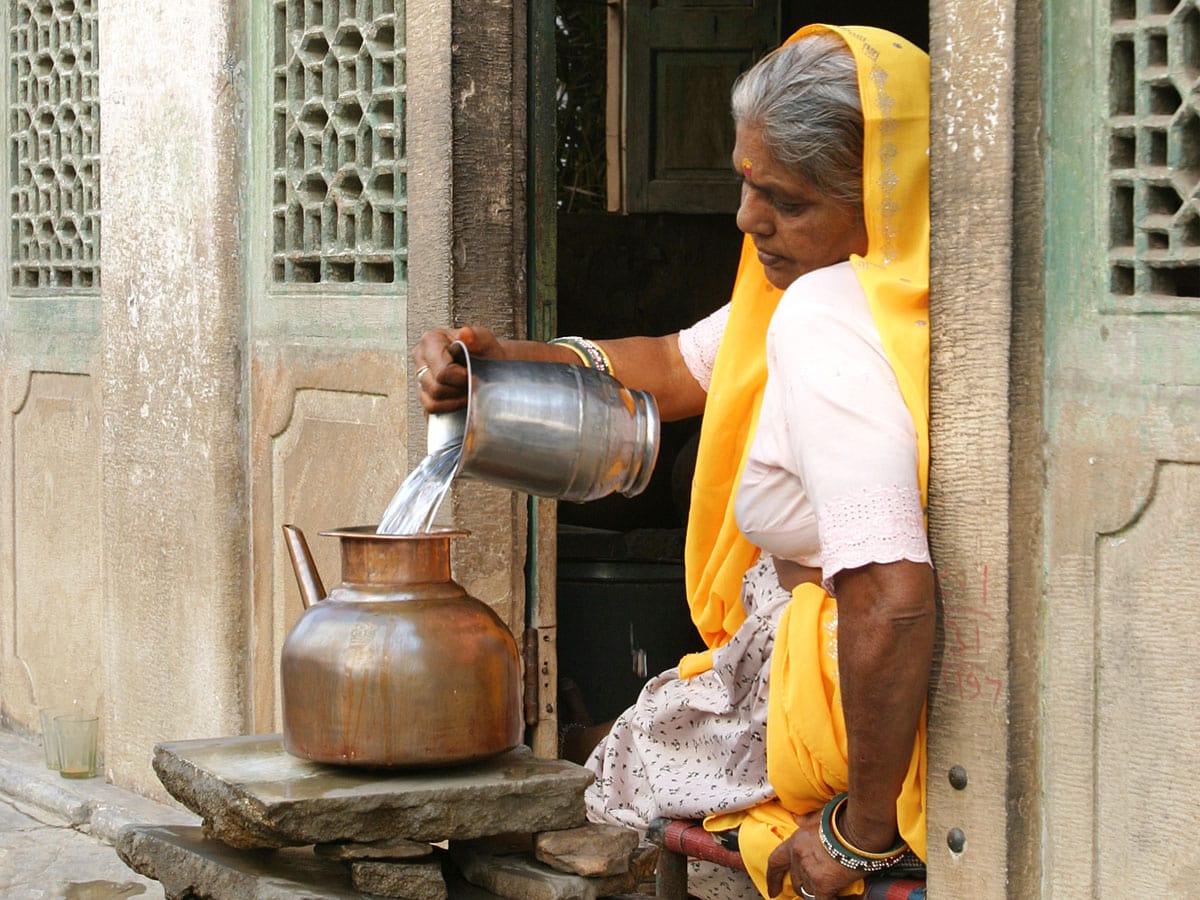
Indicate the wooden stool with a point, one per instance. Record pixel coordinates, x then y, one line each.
680 839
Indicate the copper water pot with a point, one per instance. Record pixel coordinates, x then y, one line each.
398 666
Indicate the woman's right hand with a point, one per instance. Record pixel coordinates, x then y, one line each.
440 374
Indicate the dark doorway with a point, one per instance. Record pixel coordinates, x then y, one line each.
618 275
650 273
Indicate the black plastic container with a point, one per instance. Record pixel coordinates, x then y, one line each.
620 621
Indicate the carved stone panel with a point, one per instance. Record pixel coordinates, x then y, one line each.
1147 730
58 598
327 471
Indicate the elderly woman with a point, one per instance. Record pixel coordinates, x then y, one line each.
808 569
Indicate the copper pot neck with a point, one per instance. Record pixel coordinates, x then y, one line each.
382 560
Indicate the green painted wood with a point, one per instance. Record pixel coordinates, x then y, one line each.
1122 443
541 263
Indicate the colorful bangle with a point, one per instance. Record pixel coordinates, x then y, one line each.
590 352
578 351
845 853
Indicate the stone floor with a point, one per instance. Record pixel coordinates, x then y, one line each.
56 836
49 860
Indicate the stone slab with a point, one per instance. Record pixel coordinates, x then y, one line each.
409 881
593 850
187 864
519 877
388 851
251 793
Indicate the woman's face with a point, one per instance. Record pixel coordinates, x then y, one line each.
795 228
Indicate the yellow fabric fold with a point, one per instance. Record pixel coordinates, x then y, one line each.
716 555
806 738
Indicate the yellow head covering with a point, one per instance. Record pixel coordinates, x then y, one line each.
893 81
806 740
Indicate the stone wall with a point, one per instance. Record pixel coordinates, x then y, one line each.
162 425
973 489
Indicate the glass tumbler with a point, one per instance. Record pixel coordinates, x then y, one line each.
77 735
50 735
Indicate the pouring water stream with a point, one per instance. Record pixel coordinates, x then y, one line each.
416 504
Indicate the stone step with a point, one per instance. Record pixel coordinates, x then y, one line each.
251 793
188 864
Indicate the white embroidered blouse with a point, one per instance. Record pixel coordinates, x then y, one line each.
831 480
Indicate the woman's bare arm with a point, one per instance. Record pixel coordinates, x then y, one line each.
886 624
652 364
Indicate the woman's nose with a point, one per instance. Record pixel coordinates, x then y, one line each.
753 212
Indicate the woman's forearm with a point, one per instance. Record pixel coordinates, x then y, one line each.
886 626
652 364
655 364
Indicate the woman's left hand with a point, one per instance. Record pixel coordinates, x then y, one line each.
813 872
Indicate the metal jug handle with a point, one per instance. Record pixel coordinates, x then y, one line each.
470 380
443 429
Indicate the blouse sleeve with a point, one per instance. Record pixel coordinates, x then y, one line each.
851 436
698 345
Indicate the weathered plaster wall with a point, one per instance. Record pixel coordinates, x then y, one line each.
972 55
171 366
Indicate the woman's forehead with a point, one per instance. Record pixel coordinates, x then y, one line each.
754 162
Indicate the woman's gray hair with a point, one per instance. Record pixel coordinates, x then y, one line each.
804 99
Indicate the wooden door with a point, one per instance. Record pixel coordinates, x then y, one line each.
327 285
1121 740
671 66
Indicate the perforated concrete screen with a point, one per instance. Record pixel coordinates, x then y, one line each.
338 203
1154 149
54 122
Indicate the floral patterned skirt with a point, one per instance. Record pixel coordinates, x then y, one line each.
692 747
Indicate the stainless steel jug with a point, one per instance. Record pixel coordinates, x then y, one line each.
551 429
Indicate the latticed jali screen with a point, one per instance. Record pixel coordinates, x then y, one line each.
1154 149
338 204
54 122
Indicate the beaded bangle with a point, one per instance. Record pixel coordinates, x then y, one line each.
583 357
847 854
590 352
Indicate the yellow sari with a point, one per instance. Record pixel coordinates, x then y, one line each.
806 736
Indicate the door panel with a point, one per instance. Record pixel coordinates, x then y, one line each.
674 59
327 283
1122 448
